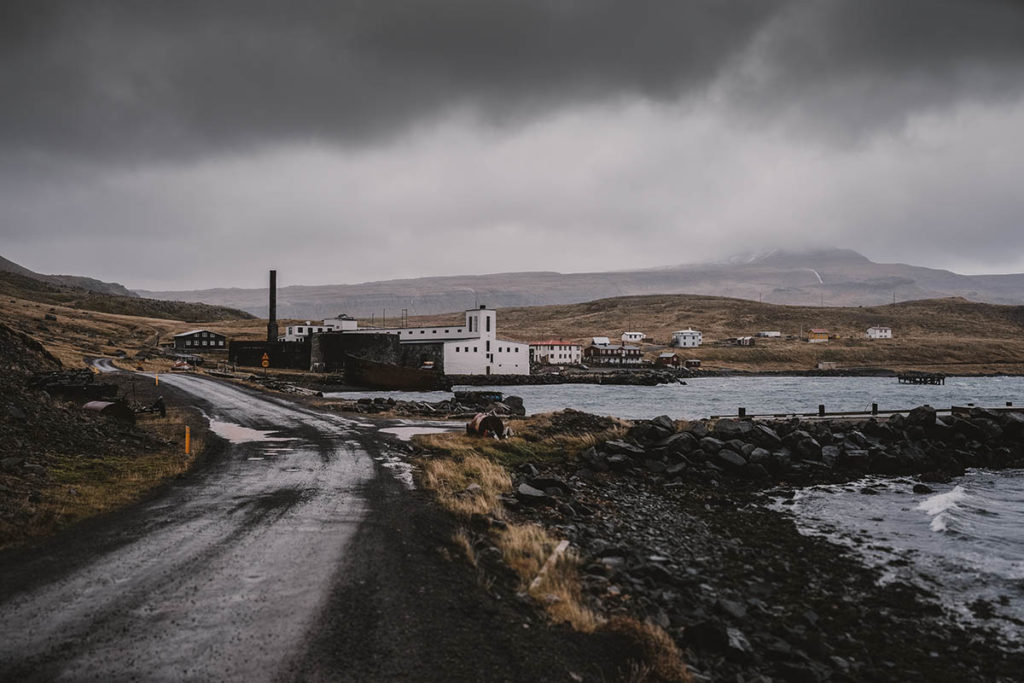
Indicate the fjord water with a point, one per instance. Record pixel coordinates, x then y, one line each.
706 396
964 542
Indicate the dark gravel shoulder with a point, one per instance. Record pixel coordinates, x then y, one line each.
409 607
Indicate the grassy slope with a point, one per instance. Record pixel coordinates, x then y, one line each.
20 286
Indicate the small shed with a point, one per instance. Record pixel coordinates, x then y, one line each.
817 335
692 363
669 359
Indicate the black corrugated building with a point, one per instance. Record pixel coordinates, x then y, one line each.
200 340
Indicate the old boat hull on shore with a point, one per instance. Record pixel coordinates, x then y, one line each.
373 375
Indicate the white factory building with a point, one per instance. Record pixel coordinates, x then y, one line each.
879 333
686 338
633 337
297 333
471 348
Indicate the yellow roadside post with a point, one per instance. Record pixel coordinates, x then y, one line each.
157 377
187 439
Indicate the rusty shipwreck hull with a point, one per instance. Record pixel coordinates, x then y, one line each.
373 375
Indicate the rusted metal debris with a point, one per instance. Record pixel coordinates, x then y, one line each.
486 425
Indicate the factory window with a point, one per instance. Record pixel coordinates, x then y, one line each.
423 331
488 323
475 349
433 332
456 349
487 348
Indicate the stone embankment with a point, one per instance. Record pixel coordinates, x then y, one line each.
648 378
802 452
671 526
454 408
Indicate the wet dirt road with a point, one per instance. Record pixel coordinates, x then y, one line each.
220 577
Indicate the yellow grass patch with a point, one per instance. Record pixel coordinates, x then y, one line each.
450 477
662 659
82 487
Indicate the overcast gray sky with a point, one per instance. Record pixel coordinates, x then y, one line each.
182 145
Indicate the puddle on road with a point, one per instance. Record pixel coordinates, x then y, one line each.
236 433
406 433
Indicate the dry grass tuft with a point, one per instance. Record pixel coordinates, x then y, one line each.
450 478
662 659
462 541
526 548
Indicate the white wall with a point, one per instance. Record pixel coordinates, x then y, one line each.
471 357
558 354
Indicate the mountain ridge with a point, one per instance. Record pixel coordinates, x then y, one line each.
75 281
829 277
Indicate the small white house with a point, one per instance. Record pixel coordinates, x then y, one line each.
556 352
879 333
769 333
297 333
341 323
600 341
686 338
633 337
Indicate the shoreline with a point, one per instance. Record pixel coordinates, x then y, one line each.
672 524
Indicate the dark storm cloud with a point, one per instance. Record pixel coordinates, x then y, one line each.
128 80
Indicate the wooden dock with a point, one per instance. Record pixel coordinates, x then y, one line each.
921 378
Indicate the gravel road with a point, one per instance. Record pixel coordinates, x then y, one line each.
219 577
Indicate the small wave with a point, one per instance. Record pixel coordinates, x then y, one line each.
939 521
942 502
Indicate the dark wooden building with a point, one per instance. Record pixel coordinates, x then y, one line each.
200 340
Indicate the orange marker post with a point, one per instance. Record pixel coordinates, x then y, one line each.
187 439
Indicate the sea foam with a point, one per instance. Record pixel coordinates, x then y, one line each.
940 506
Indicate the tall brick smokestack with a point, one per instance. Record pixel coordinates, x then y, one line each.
272 323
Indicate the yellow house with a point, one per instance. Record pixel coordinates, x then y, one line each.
817 336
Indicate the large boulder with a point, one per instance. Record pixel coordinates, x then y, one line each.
726 429
683 442
765 436
921 416
729 459
710 444
624 447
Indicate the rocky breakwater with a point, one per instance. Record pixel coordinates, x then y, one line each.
671 526
801 452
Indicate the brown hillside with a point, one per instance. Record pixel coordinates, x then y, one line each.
21 286
953 334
